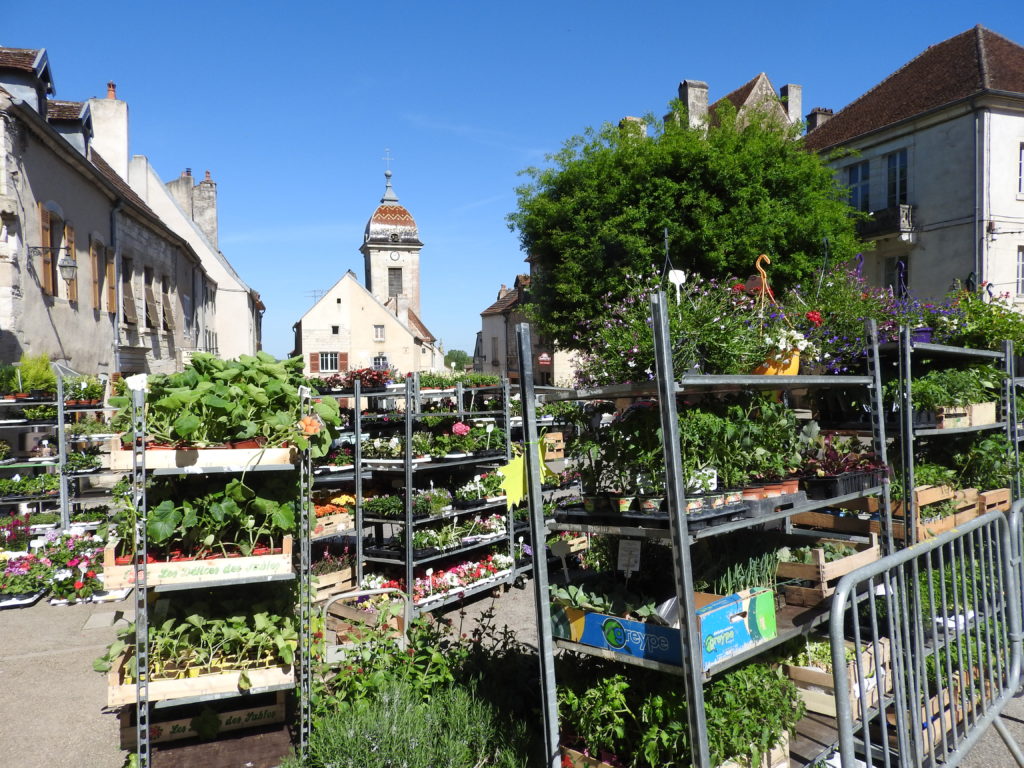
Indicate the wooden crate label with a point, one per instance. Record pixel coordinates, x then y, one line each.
196 459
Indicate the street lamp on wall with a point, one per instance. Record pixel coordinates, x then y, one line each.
67 267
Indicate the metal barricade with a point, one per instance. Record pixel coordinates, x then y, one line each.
935 629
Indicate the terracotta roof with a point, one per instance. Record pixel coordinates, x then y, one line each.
63 110
122 186
19 58
419 328
971 62
504 303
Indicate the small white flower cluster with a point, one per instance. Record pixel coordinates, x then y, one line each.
786 342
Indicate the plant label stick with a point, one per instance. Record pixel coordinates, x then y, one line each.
629 556
560 549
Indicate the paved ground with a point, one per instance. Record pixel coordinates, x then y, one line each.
51 702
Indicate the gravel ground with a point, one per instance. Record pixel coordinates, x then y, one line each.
51 707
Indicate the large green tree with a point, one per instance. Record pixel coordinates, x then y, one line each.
593 220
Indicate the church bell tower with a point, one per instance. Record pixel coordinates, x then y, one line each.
391 253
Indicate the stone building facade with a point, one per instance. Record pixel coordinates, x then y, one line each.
935 154
141 297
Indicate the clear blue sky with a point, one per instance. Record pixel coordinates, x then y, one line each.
291 105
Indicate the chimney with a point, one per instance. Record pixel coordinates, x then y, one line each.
181 190
792 95
694 95
204 208
502 291
634 123
110 130
818 117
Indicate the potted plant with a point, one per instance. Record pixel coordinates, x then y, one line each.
37 376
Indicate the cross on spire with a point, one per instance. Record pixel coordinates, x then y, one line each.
387 158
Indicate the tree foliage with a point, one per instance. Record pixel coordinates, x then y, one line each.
595 218
459 357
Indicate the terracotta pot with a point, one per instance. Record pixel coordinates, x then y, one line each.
791 485
123 560
754 493
772 490
242 444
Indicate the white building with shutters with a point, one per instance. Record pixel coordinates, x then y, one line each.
376 325
145 276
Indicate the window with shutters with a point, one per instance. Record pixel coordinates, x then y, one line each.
328 361
378 333
152 315
165 301
858 177
69 241
896 166
51 236
394 281
111 282
129 312
97 269
380 363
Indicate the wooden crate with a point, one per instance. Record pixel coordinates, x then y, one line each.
953 417
196 459
817 687
332 525
197 571
573 759
822 573
353 625
777 758
828 522
164 731
981 414
938 716
992 500
120 692
330 584
554 445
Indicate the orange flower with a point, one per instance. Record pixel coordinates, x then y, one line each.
309 425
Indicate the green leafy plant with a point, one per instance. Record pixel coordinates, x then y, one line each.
37 374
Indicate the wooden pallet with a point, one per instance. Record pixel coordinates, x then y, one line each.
120 692
197 571
822 574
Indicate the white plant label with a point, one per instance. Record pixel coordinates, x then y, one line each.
629 556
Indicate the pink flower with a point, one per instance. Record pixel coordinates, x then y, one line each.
72 562
460 428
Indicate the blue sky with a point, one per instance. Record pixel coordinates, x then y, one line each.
291 107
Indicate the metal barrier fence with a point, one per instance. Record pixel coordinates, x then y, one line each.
930 638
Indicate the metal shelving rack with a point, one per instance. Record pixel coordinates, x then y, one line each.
411 393
303 660
666 388
907 350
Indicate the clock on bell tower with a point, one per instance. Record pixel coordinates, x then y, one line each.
391 252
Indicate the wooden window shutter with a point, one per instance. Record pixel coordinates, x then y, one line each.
129 310
150 299
314 362
343 361
111 282
46 260
168 309
95 256
69 241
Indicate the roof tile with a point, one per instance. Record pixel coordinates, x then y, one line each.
18 58
961 66
63 110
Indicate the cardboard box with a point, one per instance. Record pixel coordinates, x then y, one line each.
728 625
554 445
981 414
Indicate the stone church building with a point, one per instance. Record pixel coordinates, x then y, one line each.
376 325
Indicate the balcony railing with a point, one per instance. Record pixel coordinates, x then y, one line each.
896 220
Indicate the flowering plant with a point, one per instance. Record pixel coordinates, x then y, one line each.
74 560
785 342
23 575
330 563
15 533
369 377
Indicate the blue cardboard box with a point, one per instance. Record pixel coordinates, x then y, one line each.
728 625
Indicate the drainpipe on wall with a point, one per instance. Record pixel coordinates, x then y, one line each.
117 283
977 198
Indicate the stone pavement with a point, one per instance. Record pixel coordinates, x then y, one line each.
51 700
52 711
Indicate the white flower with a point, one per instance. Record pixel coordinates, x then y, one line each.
62 574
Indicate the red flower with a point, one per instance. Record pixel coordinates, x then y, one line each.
79 584
814 317
738 288
90 574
